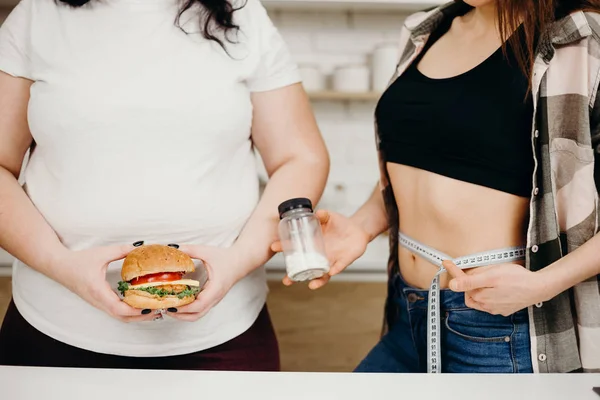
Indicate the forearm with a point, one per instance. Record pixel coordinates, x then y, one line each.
24 233
372 216
296 178
574 268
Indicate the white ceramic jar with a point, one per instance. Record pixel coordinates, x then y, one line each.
352 79
383 63
313 78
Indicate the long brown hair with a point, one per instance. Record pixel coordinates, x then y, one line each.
535 16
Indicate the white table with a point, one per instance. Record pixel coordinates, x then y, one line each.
19 383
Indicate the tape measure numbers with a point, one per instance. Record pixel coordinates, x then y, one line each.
436 258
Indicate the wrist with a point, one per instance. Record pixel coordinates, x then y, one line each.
57 264
245 260
547 284
365 227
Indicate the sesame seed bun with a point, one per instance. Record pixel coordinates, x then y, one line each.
153 259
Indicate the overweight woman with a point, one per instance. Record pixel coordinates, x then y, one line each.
141 117
489 141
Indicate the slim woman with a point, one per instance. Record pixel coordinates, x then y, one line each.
141 117
488 138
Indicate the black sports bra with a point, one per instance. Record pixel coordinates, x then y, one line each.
474 127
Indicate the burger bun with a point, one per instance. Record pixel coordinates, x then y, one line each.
143 300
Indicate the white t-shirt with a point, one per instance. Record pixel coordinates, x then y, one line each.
143 133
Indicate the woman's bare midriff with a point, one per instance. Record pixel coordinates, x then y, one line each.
454 217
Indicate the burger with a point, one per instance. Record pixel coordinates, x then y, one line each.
153 278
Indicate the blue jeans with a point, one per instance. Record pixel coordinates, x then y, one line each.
472 341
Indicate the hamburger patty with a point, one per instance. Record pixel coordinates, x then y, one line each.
173 288
142 293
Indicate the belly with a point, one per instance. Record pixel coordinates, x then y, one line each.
454 217
174 199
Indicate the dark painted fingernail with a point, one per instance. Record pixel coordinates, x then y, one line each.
138 244
172 309
175 246
146 311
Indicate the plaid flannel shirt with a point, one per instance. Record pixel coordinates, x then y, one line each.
564 206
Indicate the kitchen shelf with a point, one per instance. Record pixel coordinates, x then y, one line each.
342 96
408 5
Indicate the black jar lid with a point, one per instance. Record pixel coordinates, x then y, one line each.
294 204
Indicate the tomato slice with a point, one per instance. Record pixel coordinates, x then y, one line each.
160 277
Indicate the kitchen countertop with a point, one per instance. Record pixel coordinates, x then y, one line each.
25 383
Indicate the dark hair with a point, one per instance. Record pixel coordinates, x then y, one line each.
535 18
216 16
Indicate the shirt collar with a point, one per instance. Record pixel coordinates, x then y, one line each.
570 29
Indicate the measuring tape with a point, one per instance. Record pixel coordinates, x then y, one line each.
436 258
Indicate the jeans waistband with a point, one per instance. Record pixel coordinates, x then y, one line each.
435 300
418 298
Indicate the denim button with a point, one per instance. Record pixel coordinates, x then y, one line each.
542 357
536 191
536 133
535 248
539 305
412 297
507 339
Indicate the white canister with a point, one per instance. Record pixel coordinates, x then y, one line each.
352 79
313 78
384 61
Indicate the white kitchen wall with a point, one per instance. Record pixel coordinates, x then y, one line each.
330 39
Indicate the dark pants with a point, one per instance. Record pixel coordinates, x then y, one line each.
254 350
472 341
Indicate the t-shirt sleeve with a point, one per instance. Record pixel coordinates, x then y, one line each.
276 67
14 39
